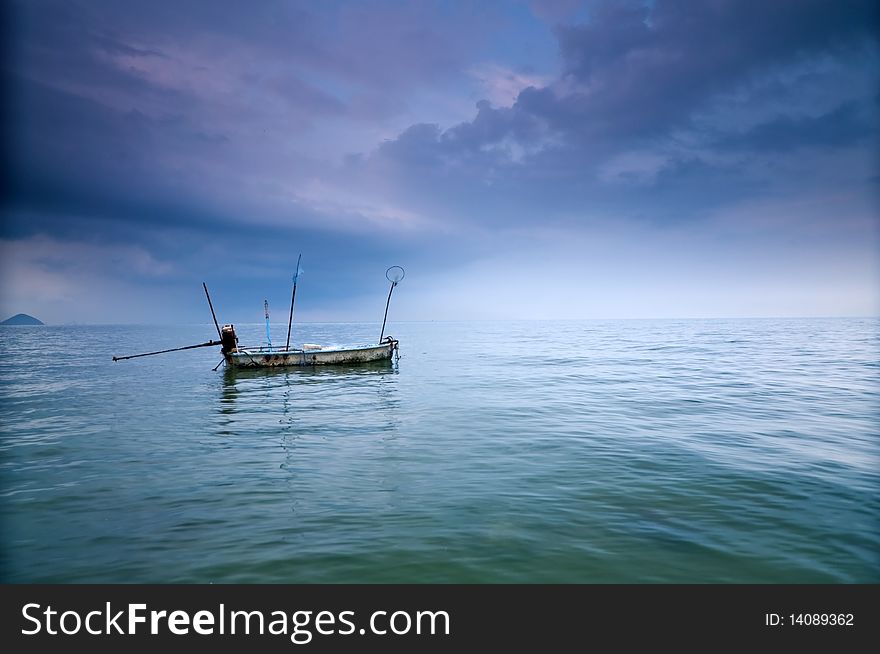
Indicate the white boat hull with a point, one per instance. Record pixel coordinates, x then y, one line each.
245 358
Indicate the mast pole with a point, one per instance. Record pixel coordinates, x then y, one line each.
213 315
292 299
268 337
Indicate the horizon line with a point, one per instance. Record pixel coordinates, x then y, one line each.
459 320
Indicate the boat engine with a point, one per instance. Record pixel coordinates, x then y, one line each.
228 339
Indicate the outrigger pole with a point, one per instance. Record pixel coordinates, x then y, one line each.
174 349
185 347
292 299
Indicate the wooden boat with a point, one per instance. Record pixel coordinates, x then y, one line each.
236 356
309 355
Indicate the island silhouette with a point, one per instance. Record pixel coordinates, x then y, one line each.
22 319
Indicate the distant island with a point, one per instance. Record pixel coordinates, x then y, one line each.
21 319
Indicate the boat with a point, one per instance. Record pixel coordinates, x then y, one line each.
310 354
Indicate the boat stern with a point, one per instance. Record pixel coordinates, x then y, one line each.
228 340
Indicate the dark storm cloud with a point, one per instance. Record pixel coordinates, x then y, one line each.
128 106
641 70
122 110
846 125
636 71
705 90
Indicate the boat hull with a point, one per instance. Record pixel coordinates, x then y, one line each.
323 357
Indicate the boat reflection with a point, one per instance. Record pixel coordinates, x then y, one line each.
310 430
246 391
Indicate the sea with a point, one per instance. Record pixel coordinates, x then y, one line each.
631 451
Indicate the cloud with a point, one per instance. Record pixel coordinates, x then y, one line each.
502 85
63 280
640 70
846 125
364 135
556 11
664 110
213 105
637 72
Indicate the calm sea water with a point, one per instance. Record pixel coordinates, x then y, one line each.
605 451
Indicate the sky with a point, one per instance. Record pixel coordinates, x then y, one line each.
544 159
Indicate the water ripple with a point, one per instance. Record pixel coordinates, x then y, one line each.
603 451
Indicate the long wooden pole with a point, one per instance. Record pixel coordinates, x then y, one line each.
174 349
292 300
213 315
